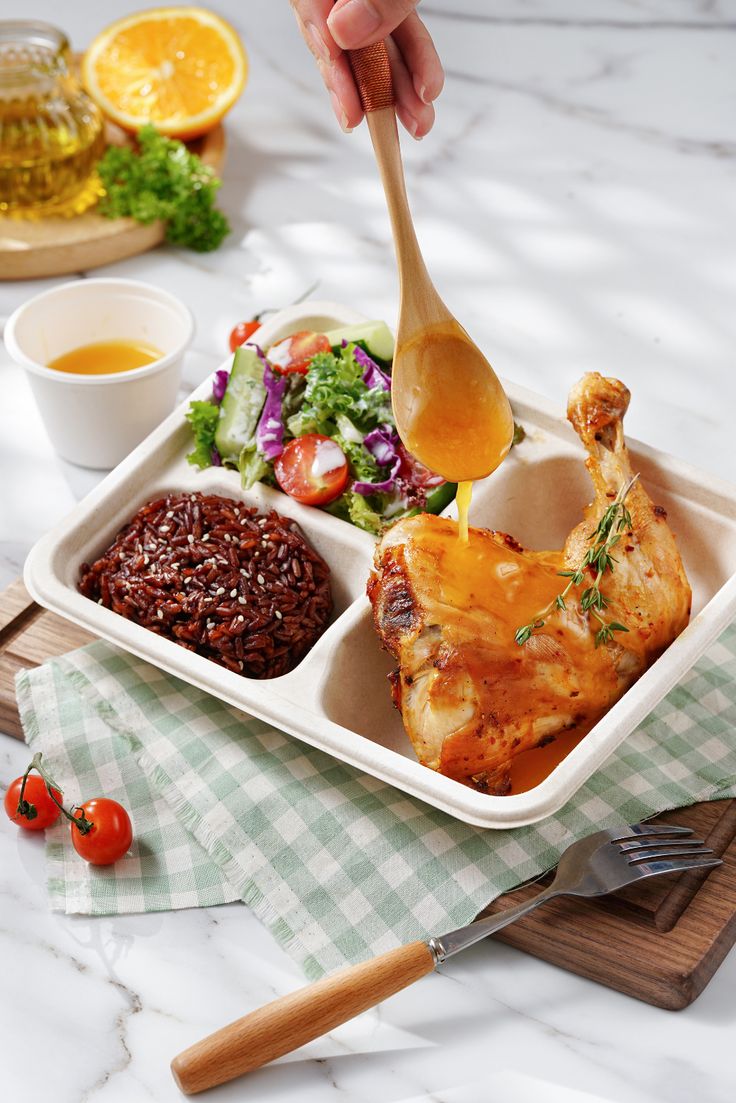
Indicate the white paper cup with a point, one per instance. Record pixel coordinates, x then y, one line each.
95 420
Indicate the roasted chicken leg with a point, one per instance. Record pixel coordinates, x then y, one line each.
470 696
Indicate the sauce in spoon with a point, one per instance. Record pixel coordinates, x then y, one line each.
450 408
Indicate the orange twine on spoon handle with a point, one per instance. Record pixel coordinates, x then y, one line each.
372 71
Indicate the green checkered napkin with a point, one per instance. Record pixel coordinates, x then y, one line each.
338 865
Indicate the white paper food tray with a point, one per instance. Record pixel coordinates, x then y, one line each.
338 698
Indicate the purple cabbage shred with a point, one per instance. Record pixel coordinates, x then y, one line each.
270 429
219 384
382 443
372 374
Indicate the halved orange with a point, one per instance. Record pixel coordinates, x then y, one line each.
178 68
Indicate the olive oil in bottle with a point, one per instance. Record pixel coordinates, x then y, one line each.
50 131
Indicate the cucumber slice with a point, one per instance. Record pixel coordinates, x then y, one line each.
376 337
241 407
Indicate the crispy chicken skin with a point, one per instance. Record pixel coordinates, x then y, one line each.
470 697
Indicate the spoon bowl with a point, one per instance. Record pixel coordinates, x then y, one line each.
450 408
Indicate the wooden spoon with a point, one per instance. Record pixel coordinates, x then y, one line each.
449 406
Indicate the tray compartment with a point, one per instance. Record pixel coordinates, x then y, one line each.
347 555
354 690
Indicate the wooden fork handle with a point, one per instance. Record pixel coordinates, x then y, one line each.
293 1020
372 72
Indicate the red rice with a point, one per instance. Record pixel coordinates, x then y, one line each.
240 588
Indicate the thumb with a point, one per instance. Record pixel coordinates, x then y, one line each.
356 23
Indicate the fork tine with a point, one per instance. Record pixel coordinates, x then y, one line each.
676 865
629 834
666 840
665 853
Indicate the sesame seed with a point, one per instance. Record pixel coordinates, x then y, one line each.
164 528
170 513
233 593
220 590
242 601
279 615
241 617
146 560
190 538
160 614
260 579
205 538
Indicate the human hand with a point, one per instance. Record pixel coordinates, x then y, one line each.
330 29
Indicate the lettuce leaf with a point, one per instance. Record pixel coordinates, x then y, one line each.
363 467
253 466
359 510
203 418
335 386
363 514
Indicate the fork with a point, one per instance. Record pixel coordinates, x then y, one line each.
593 866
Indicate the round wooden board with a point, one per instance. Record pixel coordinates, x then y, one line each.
30 249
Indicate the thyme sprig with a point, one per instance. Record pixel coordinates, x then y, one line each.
615 521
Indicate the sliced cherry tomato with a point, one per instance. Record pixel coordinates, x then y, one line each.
312 469
36 795
110 835
294 354
415 473
242 332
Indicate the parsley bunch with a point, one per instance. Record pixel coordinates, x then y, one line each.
163 180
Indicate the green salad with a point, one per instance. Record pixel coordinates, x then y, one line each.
312 415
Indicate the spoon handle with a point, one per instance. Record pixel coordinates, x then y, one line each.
372 71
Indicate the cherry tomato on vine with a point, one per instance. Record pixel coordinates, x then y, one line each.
293 354
110 835
37 795
242 332
312 469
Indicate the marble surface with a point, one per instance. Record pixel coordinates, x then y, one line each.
576 207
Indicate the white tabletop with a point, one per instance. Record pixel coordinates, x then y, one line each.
575 203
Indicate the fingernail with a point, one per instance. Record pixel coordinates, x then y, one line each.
340 113
353 22
422 93
318 42
412 126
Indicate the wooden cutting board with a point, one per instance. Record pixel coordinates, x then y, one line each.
661 941
55 246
